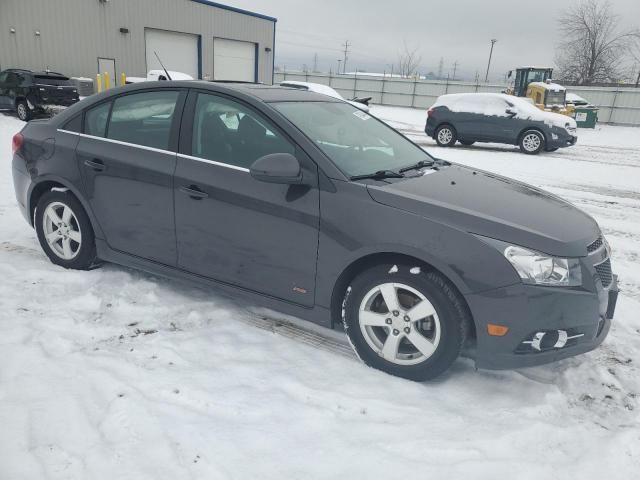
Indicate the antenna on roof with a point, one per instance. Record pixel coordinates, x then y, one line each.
162 65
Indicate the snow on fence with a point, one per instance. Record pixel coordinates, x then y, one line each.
618 105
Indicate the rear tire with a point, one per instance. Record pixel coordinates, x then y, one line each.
22 110
446 136
420 335
64 231
531 142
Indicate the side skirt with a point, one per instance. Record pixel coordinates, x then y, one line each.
317 314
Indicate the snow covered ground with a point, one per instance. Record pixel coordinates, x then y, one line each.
114 373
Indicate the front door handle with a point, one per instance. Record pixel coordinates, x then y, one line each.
96 164
194 192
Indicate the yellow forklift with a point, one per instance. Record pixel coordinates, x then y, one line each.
535 83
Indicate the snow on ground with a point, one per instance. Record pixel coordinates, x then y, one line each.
114 373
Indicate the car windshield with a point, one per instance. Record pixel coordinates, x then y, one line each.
356 142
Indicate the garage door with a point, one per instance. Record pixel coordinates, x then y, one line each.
234 60
178 51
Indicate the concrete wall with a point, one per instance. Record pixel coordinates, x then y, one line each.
74 33
617 105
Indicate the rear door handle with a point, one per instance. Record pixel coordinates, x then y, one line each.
96 164
194 192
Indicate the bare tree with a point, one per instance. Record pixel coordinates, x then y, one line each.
593 46
634 53
408 60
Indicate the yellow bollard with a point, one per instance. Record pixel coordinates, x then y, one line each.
107 82
123 79
98 83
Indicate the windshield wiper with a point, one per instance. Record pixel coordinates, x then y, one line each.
418 166
378 174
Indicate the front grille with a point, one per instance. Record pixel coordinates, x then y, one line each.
595 245
604 272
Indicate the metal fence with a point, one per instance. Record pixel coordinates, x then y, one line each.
618 105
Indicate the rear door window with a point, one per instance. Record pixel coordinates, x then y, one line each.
143 118
95 121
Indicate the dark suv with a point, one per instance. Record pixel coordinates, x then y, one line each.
31 93
307 205
498 118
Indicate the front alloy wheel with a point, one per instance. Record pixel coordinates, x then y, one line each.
399 323
532 142
405 321
22 111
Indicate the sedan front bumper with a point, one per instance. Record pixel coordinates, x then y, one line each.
545 323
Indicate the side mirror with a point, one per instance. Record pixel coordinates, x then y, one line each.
277 168
511 112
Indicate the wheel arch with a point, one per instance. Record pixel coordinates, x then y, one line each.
48 183
376 258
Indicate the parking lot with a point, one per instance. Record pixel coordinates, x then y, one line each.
100 366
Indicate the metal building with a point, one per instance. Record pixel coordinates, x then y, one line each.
202 38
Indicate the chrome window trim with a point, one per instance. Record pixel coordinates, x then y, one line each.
152 149
213 162
118 142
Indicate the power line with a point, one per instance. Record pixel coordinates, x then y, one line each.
346 55
493 42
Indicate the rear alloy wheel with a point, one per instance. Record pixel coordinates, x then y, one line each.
64 231
531 142
411 325
446 136
23 112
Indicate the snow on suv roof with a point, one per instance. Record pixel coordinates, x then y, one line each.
486 104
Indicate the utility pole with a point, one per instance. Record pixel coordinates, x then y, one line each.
315 62
455 69
493 42
346 55
440 67
339 62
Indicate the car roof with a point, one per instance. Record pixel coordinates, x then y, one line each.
247 91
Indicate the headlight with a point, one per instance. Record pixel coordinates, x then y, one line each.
537 268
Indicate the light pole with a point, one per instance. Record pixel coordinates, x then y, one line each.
493 42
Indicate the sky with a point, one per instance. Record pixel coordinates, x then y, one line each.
457 31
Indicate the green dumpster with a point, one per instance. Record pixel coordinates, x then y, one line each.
586 117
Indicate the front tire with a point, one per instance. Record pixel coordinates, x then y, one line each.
532 142
405 322
64 231
22 110
446 136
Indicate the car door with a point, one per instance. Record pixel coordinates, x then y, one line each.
232 227
468 117
127 158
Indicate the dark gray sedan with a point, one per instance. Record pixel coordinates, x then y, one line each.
307 205
498 118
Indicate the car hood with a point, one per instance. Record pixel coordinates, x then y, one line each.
490 205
